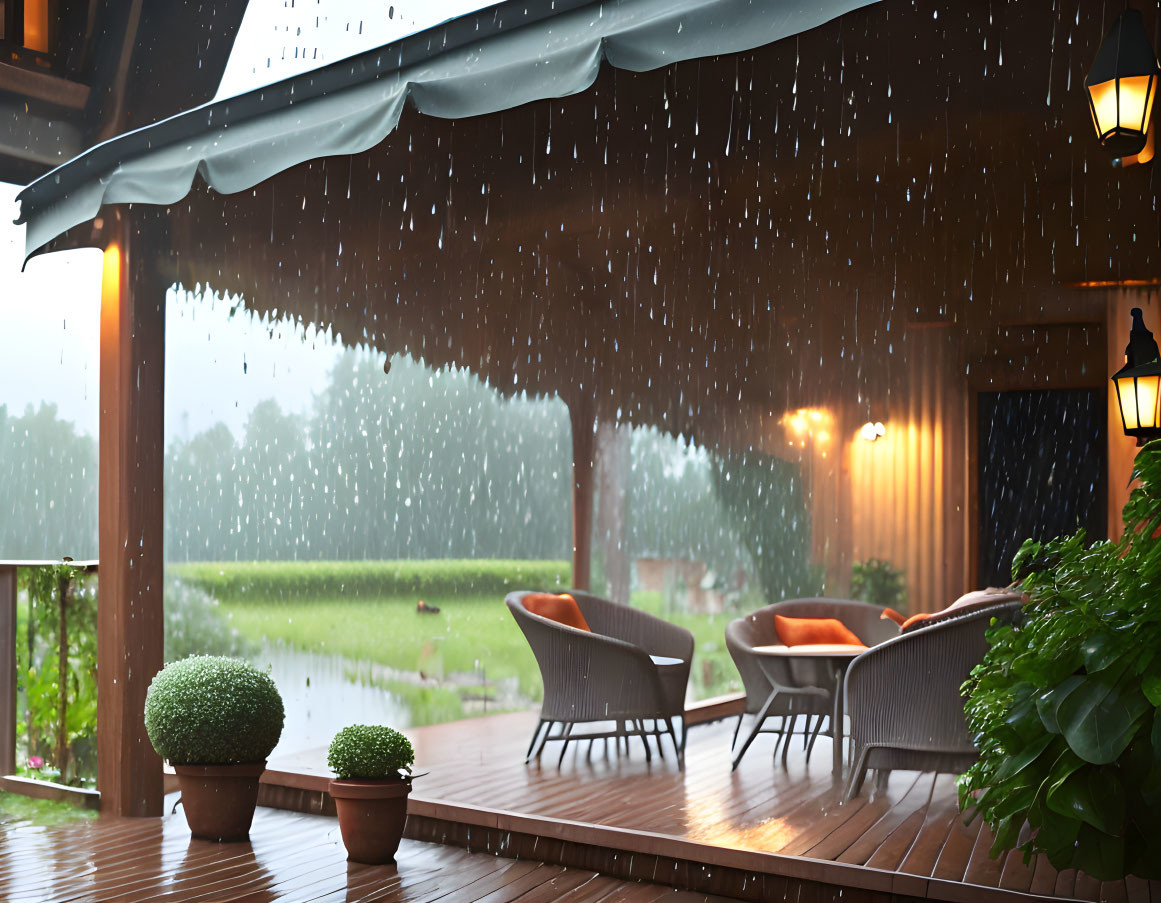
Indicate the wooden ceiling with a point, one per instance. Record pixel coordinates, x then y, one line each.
750 233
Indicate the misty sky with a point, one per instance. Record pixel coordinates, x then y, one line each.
217 367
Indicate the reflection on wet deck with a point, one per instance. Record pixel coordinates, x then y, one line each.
906 838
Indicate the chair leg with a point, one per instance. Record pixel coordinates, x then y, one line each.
754 731
564 746
882 775
644 739
858 773
788 737
656 733
543 739
737 727
532 745
814 736
806 733
668 729
684 737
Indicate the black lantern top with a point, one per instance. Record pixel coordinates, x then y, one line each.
1142 347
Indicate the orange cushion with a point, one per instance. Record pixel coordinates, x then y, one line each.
562 609
982 598
914 619
813 631
889 614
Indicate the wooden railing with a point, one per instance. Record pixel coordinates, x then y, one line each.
8 713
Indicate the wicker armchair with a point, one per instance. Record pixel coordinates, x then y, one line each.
798 694
607 675
903 696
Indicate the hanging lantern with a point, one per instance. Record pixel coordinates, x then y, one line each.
1122 85
1139 384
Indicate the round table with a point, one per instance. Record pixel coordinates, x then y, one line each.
834 658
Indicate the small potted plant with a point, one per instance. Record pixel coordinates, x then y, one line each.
372 766
215 720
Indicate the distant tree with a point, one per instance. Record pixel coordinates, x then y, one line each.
762 498
673 509
48 486
202 512
269 484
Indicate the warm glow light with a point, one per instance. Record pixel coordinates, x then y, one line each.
1138 397
1113 283
1127 111
872 430
808 424
36 25
110 288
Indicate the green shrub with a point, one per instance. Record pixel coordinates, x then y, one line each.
880 583
370 752
285 581
208 710
1066 705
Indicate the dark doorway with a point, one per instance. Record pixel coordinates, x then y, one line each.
1041 471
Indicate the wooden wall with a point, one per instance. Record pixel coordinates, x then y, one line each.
908 489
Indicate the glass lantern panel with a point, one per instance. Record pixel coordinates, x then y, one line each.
1136 101
1128 402
1147 396
1104 106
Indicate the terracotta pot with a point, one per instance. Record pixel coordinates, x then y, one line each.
371 818
219 800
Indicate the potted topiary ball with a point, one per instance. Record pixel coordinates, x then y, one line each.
215 720
372 766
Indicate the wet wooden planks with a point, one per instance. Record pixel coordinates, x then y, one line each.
910 826
292 857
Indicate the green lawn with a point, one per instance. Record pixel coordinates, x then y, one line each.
469 633
16 808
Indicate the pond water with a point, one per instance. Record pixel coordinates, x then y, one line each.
320 700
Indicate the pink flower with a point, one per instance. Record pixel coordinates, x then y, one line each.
35 762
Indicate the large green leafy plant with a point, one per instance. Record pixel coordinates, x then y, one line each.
1067 702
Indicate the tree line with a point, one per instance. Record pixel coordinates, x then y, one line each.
412 463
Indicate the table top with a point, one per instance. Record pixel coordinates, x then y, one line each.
664 660
812 649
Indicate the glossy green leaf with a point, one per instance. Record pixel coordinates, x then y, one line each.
1017 762
1057 837
1048 704
1151 683
1102 856
1095 796
1099 721
1101 651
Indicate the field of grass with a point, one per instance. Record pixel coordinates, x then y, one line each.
469 633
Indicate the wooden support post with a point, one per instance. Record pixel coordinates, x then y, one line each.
129 603
581 416
7 670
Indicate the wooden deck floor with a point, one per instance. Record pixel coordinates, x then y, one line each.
292 857
906 839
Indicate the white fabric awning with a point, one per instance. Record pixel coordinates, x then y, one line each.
492 60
